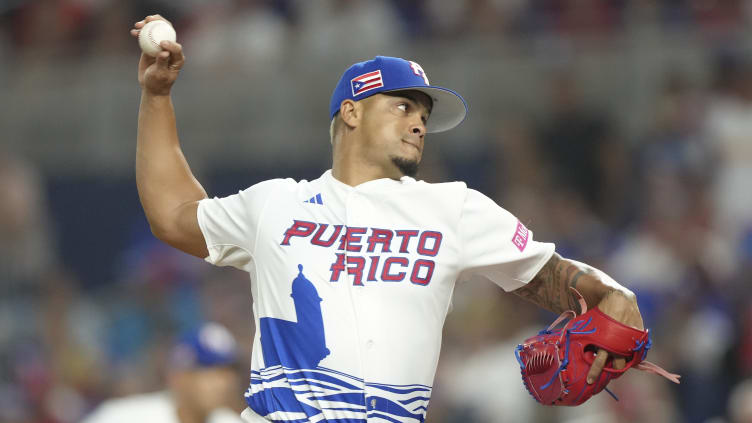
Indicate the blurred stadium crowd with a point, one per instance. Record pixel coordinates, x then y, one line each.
649 181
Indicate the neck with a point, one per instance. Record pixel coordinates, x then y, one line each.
356 176
353 168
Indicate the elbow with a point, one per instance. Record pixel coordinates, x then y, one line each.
161 232
167 235
174 237
162 225
179 228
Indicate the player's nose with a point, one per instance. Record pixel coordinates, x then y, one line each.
418 128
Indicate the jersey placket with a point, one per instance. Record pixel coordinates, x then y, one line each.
353 214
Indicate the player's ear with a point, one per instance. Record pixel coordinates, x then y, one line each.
351 112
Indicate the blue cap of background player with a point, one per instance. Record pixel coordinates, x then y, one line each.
209 345
382 74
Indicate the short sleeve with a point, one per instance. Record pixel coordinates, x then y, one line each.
497 246
230 224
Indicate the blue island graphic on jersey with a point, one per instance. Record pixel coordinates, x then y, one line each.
292 387
300 344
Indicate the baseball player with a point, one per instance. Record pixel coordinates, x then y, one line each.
352 274
200 383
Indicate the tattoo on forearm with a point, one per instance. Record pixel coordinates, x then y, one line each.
550 287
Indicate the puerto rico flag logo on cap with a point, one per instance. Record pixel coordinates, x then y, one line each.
366 82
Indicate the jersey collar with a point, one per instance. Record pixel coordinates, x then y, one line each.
384 183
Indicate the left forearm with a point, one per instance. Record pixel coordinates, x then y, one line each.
550 288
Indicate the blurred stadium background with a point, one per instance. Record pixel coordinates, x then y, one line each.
621 130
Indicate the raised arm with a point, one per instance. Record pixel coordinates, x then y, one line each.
550 289
168 190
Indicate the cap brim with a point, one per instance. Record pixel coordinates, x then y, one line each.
449 108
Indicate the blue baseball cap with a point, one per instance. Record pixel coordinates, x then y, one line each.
385 74
209 345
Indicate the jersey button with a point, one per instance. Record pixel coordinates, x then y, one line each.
369 344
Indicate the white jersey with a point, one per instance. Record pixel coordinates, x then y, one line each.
351 287
157 407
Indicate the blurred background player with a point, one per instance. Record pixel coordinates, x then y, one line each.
202 385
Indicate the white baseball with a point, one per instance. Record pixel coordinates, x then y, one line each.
152 34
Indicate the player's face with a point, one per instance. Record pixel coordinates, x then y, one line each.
394 128
205 388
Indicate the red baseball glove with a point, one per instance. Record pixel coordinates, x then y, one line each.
555 363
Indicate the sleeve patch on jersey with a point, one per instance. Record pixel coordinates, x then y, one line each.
520 237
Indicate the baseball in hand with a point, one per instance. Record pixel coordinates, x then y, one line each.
152 34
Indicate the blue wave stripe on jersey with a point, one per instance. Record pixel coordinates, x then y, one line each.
272 379
388 406
307 397
356 398
327 378
347 420
274 399
358 410
268 372
361 406
325 384
350 420
312 383
319 376
337 373
385 417
396 390
308 391
292 421
399 386
268 369
408 401
305 400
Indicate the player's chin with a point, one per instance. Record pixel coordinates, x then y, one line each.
406 165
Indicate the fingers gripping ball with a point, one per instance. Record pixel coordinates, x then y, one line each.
152 34
555 362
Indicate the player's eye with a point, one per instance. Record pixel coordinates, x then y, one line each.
402 106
